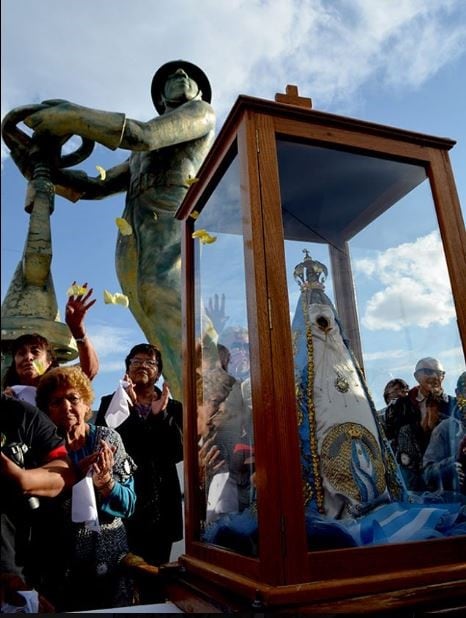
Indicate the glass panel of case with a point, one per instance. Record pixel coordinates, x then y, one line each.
224 404
379 369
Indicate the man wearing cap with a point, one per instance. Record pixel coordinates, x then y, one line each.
410 420
167 152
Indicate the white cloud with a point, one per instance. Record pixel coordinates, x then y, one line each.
415 288
104 54
111 341
384 355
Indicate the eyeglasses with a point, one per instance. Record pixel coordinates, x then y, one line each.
137 362
433 372
72 399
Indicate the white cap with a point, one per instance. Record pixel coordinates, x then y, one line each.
429 363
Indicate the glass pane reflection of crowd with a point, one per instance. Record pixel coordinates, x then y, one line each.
226 442
369 476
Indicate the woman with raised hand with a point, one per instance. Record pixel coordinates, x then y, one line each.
33 355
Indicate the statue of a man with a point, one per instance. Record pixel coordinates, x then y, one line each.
167 152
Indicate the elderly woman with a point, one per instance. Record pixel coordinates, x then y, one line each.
83 567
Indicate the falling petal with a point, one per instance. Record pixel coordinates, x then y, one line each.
194 215
108 297
156 216
39 366
199 233
115 299
190 180
76 290
102 172
208 239
204 237
124 227
121 299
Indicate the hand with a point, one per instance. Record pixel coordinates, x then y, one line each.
60 118
216 312
160 404
209 458
102 475
75 311
130 388
86 463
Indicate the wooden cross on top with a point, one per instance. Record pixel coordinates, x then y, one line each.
292 97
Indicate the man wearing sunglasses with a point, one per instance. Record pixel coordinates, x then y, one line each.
410 420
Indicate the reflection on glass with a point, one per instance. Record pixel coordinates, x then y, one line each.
377 354
224 403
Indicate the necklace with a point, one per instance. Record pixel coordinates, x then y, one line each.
143 409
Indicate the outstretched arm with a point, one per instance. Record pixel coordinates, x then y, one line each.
189 121
76 309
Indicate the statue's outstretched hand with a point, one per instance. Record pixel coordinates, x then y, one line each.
19 142
59 118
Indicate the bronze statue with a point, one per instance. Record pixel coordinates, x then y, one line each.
167 152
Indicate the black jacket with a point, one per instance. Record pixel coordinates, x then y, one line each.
156 445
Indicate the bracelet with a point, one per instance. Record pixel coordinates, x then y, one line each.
107 484
81 339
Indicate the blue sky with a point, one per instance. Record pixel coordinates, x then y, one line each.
399 63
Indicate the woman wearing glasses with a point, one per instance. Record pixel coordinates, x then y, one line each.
153 436
82 570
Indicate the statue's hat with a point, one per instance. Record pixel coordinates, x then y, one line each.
194 72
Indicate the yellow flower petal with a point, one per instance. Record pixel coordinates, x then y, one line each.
108 297
190 180
194 215
124 227
204 236
121 299
115 299
208 239
76 290
39 366
102 172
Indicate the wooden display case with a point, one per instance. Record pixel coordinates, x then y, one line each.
280 180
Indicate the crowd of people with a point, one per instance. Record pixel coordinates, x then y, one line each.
106 495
